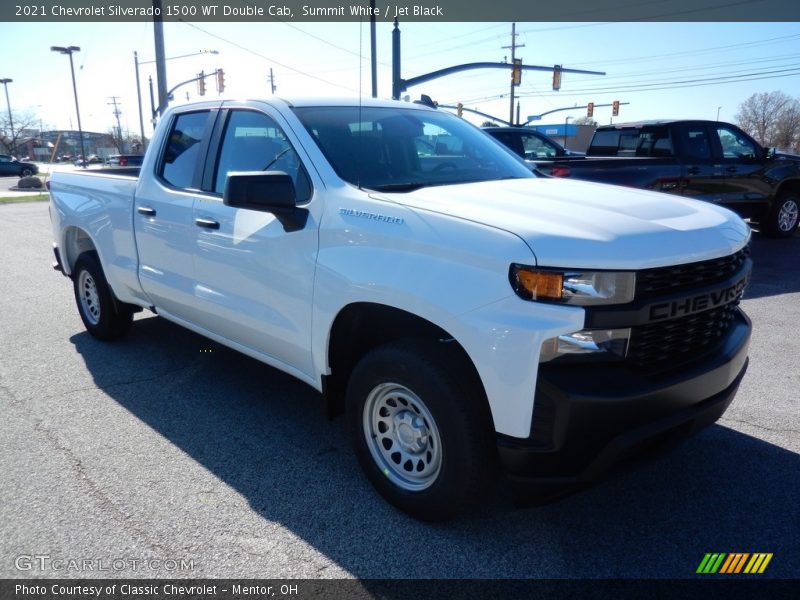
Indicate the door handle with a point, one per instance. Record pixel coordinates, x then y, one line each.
693 170
147 211
731 169
207 223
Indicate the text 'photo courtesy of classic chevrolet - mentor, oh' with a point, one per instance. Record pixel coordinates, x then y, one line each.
468 315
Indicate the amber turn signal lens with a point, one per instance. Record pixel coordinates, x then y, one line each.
539 284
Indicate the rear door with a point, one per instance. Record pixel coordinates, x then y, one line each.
163 217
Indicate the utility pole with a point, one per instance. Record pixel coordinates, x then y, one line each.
272 81
139 98
117 112
373 49
161 65
513 47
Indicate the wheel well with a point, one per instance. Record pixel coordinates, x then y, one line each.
792 186
76 242
361 327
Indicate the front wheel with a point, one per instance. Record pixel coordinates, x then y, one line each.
421 433
784 215
102 314
26 172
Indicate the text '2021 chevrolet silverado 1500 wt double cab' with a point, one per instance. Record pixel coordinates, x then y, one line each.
462 311
705 160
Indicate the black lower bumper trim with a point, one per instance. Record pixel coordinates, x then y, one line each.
57 265
595 418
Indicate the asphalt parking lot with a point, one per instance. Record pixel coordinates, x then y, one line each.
168 448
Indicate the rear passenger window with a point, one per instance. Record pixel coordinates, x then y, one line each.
181 153
696 144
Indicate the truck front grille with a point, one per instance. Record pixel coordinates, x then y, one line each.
665 280
675 341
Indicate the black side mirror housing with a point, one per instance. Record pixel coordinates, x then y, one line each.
266 191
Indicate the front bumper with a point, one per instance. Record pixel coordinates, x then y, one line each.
589 418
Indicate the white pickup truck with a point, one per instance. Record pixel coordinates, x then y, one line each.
465 313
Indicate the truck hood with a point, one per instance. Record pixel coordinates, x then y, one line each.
578 224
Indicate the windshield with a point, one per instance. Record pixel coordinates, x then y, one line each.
401 149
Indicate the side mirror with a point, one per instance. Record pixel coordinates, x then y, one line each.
769 153
266 191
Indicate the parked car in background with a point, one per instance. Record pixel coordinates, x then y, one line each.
11 166
705 160
92 159
125 160
530 144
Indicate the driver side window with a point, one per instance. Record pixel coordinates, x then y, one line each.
254 142
734 145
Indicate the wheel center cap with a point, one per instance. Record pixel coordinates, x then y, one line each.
411 432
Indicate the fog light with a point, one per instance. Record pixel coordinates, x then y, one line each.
598 343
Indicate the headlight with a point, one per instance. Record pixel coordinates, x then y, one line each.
583 288
606 344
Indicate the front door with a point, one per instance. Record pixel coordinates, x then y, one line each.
254 281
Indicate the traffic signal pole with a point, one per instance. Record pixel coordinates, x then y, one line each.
400 85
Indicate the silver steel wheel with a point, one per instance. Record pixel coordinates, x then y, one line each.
402 436
787 217
90 300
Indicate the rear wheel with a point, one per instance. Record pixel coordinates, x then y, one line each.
784 215
102 314
420 431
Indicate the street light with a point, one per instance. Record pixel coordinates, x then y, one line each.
68 51
137 62
566 123
13 145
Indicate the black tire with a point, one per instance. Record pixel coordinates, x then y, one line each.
421 428
783 216
102 314
26 172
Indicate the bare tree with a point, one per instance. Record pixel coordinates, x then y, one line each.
489 124
760 115
23 122
585 121
787 131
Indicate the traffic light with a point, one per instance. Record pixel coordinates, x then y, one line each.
615 108
516 72
460 109
556 77
220 81
590 109
201 83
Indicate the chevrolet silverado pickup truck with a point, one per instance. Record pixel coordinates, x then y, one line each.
464 313
706 160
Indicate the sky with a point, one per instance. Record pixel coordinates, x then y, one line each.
663 70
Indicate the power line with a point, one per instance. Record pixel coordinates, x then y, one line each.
666 85
267 58
709 50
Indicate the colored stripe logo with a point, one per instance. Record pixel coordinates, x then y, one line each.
734 563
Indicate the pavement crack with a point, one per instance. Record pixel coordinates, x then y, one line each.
116 384
94 490
757 426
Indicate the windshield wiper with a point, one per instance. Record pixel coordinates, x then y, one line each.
278 156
